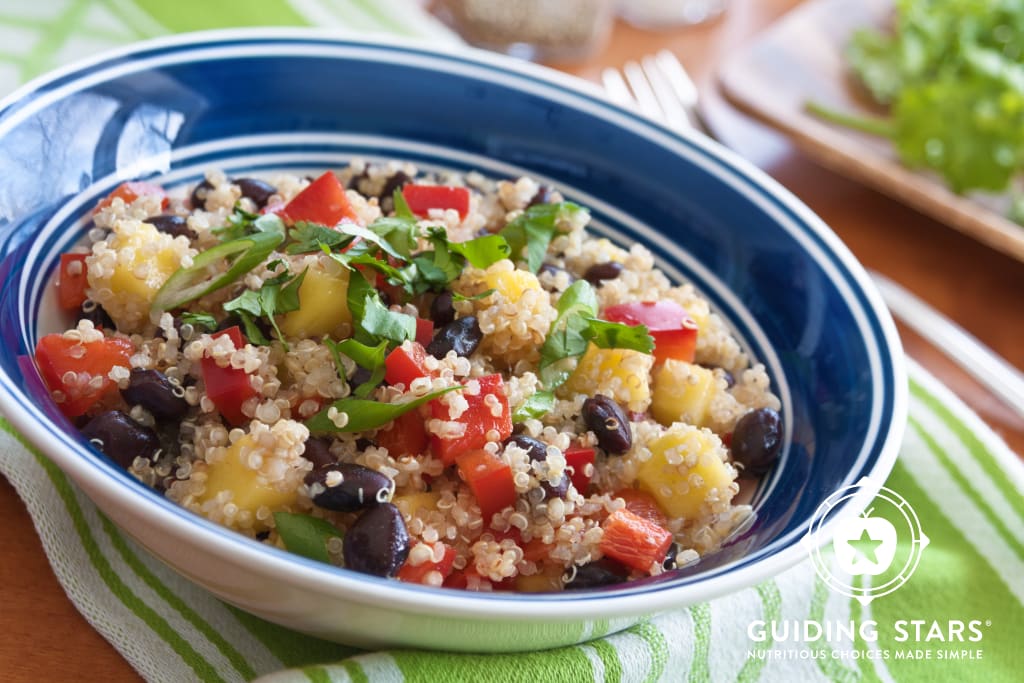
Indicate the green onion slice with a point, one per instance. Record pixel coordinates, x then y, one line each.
205 276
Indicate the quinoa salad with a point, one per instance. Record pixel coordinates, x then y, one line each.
434 377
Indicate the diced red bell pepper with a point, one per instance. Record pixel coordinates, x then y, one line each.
131 191
674 331
424 331
643 504
323 202
635 541
79 370
490 479
72 281
417 574
407 436
422 198
406 363
228 387
478 419
578 457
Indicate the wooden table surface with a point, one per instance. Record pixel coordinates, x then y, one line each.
42 636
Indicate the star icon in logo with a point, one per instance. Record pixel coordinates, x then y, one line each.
866 546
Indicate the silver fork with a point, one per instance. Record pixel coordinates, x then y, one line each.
659 87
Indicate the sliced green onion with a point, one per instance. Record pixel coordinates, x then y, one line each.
204 276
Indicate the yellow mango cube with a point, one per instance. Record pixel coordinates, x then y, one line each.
249 490
682 393
126 270
547 581
323 305
624 374
687 472
510 283
411 504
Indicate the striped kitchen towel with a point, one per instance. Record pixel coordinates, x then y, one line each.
966 486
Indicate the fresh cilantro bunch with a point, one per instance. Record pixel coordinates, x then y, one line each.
951 73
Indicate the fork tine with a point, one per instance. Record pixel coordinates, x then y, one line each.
673 110
616 87
676 75
645 98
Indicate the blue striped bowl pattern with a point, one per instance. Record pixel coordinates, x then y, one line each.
247 101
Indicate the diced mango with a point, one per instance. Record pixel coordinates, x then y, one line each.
682 393
248 492
624 374
323 305
412 503
509 283
547 581
682 490
124 277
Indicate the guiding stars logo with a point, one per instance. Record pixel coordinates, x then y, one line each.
884 543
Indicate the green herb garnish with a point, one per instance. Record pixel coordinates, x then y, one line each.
279 294
364 414
534 229
199 320
539 404
305 535
367 357
951 76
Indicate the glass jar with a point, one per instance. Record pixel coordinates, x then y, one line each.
659 14
539 30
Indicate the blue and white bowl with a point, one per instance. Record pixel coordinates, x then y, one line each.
260 100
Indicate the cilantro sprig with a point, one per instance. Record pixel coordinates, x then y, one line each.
279 294
576 326
951 76
529 234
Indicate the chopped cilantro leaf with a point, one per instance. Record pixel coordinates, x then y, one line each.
534 229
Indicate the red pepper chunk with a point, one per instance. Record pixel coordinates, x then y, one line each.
79 370
406 363
424 331
489 478
228 387
634 541
417 574
674 331
479 419
578 457
407 436
422 198
323 202
130 191
643 504
72 281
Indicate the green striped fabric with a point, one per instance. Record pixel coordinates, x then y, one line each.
963 482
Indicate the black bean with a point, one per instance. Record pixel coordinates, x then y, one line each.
609 423
256 190
538 452
730 381
121 438
442 311
318 452
756 440
96 314
599 272
554 271
362 443
603 572
197 200
544 195
153 391
387 193
360 487
173 225
377 543
670 557
462 336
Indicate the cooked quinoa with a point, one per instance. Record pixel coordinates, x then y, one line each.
443 374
